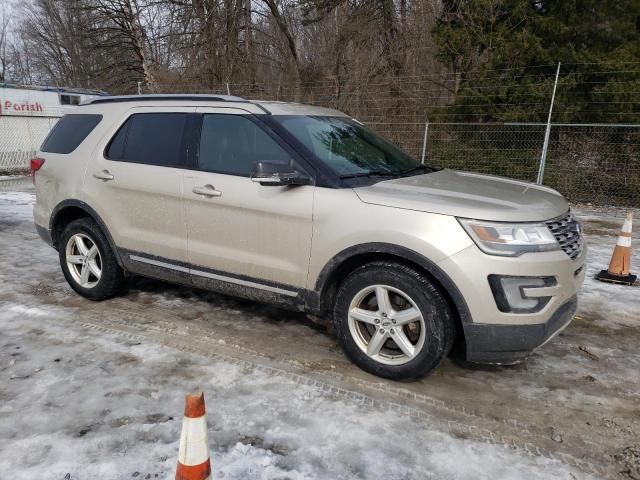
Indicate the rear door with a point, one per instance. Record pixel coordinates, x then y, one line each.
135 184
240 232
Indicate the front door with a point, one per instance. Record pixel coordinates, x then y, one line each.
241 233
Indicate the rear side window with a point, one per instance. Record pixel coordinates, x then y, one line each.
151 139
69 133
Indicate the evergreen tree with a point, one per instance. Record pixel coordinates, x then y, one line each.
503 55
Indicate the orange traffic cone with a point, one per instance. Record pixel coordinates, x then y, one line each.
620 265
193 454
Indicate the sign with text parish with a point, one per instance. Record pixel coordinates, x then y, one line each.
18 100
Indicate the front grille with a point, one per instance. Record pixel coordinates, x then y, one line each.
567 231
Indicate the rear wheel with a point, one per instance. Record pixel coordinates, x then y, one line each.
392 321
87 261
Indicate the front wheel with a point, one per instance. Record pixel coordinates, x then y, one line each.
87 261
392 321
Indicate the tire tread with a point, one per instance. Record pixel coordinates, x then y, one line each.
112 279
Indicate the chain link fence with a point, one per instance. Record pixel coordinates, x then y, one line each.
596 163
20 138
589 163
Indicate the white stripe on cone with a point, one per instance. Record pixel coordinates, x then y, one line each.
194 448
624 241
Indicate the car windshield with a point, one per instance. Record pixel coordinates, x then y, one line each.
347 147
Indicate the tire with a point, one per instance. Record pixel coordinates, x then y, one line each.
99 259
411 295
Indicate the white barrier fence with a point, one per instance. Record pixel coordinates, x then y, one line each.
20 138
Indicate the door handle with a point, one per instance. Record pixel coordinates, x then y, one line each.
103 175
207 191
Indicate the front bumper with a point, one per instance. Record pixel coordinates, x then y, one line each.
503 337
505 344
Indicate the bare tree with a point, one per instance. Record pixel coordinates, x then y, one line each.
348 54
4 41
121 27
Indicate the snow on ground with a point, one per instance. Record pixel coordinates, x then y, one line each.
17 199
94 405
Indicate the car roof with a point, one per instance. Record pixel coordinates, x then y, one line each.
267 107
289 108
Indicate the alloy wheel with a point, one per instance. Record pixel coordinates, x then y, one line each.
83 260
386 324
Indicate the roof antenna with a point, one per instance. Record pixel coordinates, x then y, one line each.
228 90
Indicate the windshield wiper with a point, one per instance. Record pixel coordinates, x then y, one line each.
372 173
415 169
399 173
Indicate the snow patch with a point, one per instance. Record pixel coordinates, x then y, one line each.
32 311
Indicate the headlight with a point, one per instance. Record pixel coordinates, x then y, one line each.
510 239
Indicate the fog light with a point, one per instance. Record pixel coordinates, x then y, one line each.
510 297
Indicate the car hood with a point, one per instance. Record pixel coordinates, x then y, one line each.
468 195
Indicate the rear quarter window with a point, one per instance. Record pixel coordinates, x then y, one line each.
70 132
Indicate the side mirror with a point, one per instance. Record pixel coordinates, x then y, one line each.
277 174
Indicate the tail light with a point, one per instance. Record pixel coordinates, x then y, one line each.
35 165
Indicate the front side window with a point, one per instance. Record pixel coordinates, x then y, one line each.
231 144
151 139
347 147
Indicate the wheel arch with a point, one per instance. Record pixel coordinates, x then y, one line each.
70 210
353 257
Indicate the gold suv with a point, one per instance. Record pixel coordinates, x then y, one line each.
306 208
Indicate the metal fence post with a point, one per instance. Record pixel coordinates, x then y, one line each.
424 141
547 133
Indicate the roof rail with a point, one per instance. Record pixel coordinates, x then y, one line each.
165 97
